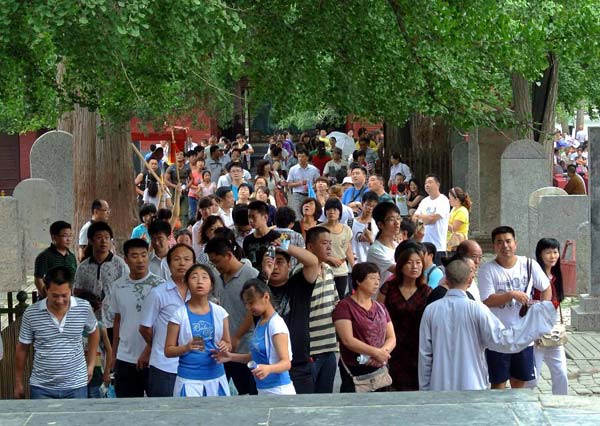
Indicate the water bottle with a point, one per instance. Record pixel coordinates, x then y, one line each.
363 359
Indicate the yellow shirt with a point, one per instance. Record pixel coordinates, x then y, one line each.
372 145
461 214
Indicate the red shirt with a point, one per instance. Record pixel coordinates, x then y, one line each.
319 162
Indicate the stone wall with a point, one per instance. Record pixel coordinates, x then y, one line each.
12 253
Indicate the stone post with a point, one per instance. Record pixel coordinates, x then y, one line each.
586 316
472 186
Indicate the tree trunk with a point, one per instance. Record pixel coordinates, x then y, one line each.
580 117
102 168
522 106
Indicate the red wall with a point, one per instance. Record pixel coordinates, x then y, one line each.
26 141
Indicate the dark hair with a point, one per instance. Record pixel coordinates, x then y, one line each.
206 172
219 246
89 297
405 245
257 286
96 205
402 260
551 243
360 272
324 180
302 151
206 225
312 235
459 193
147 208
58 275
358 153
245 185
159 227
152 187
502 230
98 227
164 214
275 150
205 268
429 248
396 156
204 203
239 214
233 164
284 216
434 177
380 211
58 226
134 243
229 235
571 168
334 203
408 226
417 184
175 247
370 196
318 208
222 191
259 206
183 232
213 148
358 166
260 167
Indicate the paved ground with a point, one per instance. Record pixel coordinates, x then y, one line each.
414 408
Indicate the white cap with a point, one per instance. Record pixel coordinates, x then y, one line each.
347 179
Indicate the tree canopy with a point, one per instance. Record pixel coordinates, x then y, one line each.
382 59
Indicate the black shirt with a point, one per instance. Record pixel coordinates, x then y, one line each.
255 248
439 292
292 302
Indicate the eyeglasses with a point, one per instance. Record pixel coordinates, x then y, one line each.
396 219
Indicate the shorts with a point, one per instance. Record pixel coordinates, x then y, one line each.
520 366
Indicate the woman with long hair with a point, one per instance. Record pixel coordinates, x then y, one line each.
207 233
415 196
458 223
264 170
547 253
405 298
195 332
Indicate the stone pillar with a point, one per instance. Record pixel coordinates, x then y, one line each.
586 316
472 185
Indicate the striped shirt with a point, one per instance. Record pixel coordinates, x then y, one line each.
58 361
323 301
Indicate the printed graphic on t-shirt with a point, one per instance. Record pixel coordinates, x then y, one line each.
511 284
203 329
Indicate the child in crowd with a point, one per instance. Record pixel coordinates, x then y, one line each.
270 349
195 332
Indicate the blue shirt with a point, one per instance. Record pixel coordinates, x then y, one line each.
141 231
433 275
260 355
199 365
352 194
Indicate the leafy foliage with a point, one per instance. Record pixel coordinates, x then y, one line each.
380 59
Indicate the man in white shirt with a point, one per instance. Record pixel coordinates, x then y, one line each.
299 177
458 363
159 232
126 301
157 309
505 285
100 213
434 212
226 203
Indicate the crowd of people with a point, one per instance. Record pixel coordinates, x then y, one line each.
571 158
269 284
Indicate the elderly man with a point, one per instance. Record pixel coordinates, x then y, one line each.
459 363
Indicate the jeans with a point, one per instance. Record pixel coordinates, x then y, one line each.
129 381
242 378
302 378
93 391
160 383
192 207
296 202
36 392
323 372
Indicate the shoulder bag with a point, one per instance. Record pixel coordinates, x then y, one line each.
557 336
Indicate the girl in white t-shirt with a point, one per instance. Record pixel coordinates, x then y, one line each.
270 357
195 332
